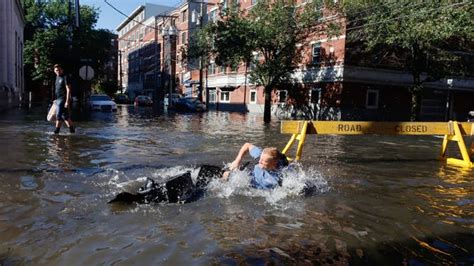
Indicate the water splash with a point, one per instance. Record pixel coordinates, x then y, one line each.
297 182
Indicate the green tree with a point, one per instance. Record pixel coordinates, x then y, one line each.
51 38
426 38
198 51
106 87
271 30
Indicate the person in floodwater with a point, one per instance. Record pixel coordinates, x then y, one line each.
63 99
267 173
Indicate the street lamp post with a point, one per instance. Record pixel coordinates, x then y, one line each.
170 33
120 71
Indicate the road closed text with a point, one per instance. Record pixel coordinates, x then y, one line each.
349 128
411 129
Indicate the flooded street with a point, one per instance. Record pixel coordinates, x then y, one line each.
380 200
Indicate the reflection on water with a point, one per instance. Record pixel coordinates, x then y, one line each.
379 199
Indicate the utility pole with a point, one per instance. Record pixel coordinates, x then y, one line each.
201 63
77 20
120 70
167 51
156 94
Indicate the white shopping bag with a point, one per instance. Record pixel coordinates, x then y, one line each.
52 112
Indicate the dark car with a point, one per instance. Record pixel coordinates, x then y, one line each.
122 99
190 104
143 100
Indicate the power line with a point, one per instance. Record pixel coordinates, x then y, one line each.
139 22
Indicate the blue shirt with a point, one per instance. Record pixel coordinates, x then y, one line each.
261 178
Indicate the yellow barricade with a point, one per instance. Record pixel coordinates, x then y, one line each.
452 131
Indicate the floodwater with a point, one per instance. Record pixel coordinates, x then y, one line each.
380 200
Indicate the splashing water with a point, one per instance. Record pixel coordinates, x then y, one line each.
296 180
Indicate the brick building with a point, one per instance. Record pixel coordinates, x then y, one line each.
339 85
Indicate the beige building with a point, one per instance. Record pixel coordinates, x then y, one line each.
137 51
12 23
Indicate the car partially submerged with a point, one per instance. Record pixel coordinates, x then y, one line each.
102 102
190 104
143 100
122 99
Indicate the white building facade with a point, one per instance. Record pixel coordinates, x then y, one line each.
12 23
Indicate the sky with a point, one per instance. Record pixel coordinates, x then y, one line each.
110 19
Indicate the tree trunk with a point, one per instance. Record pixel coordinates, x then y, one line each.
414 113
415 101
417 86
267 109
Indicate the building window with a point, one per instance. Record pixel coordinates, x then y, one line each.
213 15
225 96
315 95
253 96
316 54
183 37
372 100
254 61
184 15
282 96
212 96
224 4
212 69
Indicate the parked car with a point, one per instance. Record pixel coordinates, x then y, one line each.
142 100
122 99
470 116
174 98
102 102
190 104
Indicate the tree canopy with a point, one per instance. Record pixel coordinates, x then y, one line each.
267 37
432 40
51 38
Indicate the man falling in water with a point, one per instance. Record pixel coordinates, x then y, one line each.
267 173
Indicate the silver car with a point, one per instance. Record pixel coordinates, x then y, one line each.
102 103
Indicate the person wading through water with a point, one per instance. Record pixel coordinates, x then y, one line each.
63 99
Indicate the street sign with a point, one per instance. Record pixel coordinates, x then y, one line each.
371 127
452 131
86 72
